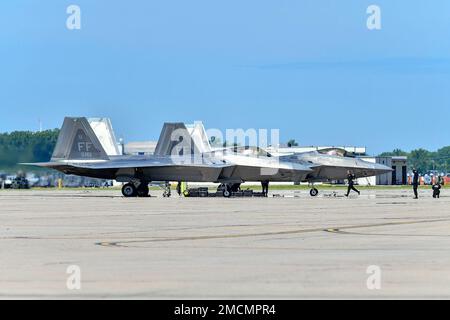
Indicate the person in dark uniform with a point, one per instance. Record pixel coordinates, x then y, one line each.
415 183
265 188
351 184
437 187
179 188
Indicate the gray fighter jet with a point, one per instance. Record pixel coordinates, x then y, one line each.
333 164
326 165
177 158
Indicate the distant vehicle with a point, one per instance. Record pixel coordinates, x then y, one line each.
33 180
45 182
92 185
97 183
20 183
7 183
107 184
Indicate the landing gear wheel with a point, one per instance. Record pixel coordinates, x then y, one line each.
143 191
227 189
314 192
129 190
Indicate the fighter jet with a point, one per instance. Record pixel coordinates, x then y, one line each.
326 165
333 164
79 152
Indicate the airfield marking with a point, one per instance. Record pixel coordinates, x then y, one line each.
287 232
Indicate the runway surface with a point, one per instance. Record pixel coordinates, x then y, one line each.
288 247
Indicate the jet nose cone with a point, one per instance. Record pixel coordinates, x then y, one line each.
382 168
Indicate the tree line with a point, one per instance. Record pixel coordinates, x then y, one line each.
424 160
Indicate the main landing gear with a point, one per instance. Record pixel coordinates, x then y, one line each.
131 190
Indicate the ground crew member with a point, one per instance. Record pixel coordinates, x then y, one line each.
179 188
415 183
265 188
351 183
437 187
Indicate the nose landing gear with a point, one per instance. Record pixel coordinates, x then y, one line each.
313 192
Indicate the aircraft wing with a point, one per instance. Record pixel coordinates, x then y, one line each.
125 164
145 164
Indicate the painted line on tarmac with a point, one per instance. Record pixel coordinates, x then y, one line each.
246 235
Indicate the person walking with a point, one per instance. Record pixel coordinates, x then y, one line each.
415 183
351 184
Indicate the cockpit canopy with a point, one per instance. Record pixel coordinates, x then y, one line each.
333 152
249 151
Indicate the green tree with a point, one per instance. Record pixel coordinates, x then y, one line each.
26 146
443 159
292 143
394 153
421 160
424 160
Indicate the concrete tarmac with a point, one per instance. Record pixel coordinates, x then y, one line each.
287 247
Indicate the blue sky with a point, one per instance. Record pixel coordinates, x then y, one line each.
309 68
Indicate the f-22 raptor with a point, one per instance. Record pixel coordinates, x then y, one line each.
183 155
327 165
79 152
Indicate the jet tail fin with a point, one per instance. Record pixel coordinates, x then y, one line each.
199 137
77 141
175 139
104 131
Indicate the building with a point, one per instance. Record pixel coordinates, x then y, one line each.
140 148
400 174
397 177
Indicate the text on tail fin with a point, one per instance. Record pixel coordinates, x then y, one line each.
77 141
